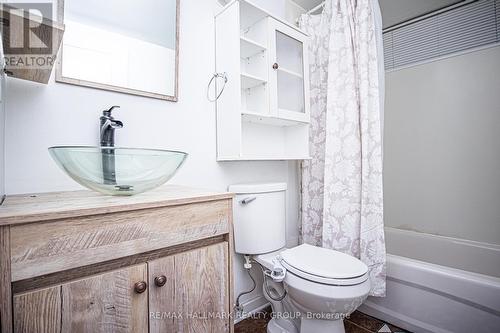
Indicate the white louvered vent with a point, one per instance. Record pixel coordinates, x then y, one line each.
472 25
497 10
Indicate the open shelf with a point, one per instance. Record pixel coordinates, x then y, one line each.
285 111
250 48
261 140
265 158
250 13
259 118
250 81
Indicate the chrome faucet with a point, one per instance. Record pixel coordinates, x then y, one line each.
108 126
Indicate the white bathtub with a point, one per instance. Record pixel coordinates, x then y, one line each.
439 284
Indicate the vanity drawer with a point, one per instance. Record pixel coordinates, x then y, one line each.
42 248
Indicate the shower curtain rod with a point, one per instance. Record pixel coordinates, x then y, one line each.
413 20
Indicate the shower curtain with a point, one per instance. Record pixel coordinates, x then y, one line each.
342 197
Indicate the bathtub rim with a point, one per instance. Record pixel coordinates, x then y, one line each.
416 243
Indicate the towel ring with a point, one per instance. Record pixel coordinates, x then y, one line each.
215 76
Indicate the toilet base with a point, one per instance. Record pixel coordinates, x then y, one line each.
289 317
320 326
274 327
308 326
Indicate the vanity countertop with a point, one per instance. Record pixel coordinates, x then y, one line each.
28 208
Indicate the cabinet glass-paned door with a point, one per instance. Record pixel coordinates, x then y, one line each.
289 74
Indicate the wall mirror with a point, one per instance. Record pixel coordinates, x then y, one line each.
125 46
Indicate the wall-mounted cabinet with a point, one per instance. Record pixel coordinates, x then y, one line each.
263 113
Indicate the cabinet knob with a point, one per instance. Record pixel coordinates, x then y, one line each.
275 65
160 280
140 287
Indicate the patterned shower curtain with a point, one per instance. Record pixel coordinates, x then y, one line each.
342 197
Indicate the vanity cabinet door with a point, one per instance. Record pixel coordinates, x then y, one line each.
116 301
161 275
202 290
189 291
38 311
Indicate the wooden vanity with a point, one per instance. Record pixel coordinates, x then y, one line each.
83 262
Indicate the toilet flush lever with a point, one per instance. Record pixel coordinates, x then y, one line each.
247 200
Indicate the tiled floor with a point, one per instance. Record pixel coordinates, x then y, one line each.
357 323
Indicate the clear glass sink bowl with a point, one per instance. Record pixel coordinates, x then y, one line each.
118 171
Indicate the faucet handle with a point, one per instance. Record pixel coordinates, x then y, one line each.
116 124
108 112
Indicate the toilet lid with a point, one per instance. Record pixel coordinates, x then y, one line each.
324 265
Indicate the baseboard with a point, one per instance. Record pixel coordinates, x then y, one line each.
252 306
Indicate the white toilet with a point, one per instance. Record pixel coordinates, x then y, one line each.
322 286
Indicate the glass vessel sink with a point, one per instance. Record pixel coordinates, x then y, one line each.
118 171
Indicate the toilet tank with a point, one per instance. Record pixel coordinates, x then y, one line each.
259 217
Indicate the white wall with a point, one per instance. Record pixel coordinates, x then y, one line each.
442 147
40 116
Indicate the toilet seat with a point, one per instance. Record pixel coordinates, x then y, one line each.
324 266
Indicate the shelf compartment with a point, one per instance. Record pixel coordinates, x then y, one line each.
264 158
250 48
249 81
259 118
264 141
